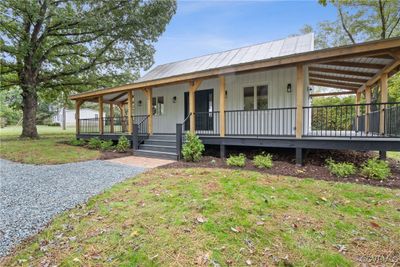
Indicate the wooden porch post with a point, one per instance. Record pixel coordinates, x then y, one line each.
194 85
111 118
101 128
222 106
367 107
384 99
78 104
358 99
130 112
122 111
149 94
299 100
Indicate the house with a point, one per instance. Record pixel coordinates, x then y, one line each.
256 96
68 115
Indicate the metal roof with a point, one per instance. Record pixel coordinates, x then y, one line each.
248 54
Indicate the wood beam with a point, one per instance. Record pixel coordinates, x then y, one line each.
194 85
389 67
299 100
354 64
130 114
367 107
345 72
337 78
331 94
334 86
384 56
111 118
149 97
384 99
118 96
123 121
357 107
222 106
101 110
347 84
78 104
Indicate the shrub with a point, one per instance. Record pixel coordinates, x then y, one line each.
376 169
54 124
77 142
193 148
263 161
340 169
106 145
239 161
94 143
123 144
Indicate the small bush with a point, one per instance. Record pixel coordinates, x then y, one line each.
123 144
238 161
340 169
376 169
94 143
263 161
54 124
193 148
106 145
77 142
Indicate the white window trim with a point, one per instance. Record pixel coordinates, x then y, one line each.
255 93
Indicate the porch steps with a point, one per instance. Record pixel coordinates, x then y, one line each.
161 146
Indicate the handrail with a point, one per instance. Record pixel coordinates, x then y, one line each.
188 116
354 105
144 119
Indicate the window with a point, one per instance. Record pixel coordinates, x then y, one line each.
255 97
262 97
248 98
158 105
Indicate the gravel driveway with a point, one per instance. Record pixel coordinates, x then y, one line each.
30 195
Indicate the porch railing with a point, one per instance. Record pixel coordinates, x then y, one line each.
267 122
207 123
352 120
181 129
110 124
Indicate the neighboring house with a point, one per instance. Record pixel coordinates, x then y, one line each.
257 96
85 113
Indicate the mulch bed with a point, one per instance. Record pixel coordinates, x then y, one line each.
314 162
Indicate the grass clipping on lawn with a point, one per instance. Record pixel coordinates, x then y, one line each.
197 216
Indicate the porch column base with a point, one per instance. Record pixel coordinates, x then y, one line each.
299 156
382 155
222 152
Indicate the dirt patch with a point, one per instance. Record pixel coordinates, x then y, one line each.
114 155
313 167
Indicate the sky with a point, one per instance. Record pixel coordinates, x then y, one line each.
207 26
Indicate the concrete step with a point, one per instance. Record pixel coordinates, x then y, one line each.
155 154
161 148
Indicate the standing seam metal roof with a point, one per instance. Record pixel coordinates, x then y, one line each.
248 54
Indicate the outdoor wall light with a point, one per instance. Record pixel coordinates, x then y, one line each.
226 93
174 99
140 103
289 88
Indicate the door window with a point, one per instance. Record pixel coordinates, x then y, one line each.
158 105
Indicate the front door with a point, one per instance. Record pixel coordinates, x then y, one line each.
204 107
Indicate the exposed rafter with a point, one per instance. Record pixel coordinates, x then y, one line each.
337 78
345 72
333 85
332 94
355 85
118 96
378 75
354 64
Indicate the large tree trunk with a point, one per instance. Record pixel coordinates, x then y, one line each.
29 102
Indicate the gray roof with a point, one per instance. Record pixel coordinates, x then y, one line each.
248 54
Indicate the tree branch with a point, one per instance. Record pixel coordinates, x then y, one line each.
344 25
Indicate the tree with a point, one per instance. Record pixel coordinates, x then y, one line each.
358 21
53 46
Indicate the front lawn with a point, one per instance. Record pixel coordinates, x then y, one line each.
49 149
198 216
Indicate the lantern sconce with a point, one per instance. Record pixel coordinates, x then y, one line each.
174 99
289 88
140 103
226 93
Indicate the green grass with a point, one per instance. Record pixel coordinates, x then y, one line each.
184 217
49 149
394 155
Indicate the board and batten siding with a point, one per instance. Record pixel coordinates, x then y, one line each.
264 122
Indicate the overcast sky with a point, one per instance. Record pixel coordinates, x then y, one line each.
206 26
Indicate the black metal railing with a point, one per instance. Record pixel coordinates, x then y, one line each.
111 125
267 122
142 127
181 129
352 120
89 125
207 123
115 124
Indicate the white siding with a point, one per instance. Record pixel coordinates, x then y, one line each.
278 97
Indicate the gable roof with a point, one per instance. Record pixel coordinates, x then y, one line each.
247 54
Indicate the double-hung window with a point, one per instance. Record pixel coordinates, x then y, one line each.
255 97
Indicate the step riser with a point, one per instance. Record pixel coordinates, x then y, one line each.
159 143
151 155
163 137
158 148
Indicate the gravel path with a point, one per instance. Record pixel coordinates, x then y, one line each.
31 195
